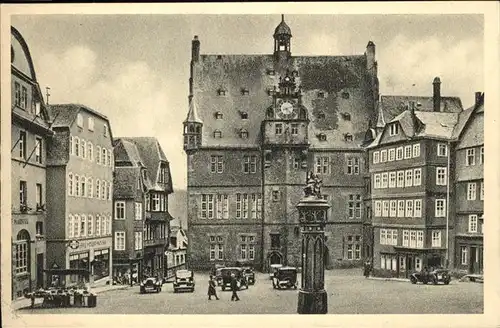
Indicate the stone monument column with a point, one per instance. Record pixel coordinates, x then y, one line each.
313 211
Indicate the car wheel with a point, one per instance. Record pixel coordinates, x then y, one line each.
413 280
434 281
446 282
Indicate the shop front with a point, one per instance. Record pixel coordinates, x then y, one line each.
469 254
154 261
93 255
410 260
101 264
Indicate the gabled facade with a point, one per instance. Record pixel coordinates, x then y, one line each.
177 251
256 125
80 183
469 188
410 163
30 132
141 219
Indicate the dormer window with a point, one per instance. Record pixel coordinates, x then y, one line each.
321 94
244 91
348 137
217 134
345 95
322 137
321 115
393 129
244 115
218 115
346 116
243 134
221 92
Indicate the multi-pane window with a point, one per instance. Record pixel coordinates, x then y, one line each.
440 209
473 223
90 121
76 226
295 129
322 165
413 238
357 251
98 225
22 252
481 155
79 120
98 154
83 148
409 208
278 128
420 239
470 158
416 150
442 150
137 240
385 208
392 154
436 238
406 238
418 208
441 177
249 164
376 157
22 144
83 186
216 164
207 206
77 185
119 210
17 94
350 251
138 211
119 240
104 156
83 226
24 97
354 206
464 255
222 204
247 247
241 206
481 191
90 188
393 208
38 150
376 182
296 162
471 191
399 153
392 179
378 208
353 165
408 178
98 189
385 179
220 251
90 225
22 193
105 130
155 202
401 208
383 156
388 237
39 195
393 129
417 177
407 152
401 179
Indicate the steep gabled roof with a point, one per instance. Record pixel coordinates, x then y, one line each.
125 181
465 116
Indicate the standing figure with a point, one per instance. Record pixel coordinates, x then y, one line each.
234 288
367 268
211 288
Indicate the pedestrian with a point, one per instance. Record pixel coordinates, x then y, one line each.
367 268
234 288
211 289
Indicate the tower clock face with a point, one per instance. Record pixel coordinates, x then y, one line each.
286 108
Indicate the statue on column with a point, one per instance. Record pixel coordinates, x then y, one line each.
313 185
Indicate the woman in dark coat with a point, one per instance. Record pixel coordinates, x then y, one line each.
367 268
211 288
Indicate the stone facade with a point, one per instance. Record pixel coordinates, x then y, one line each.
256 125
29 134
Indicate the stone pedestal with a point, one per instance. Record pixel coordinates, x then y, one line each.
312 297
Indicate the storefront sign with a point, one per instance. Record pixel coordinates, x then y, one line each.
20 221
88 244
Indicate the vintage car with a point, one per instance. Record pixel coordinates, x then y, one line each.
151 284
434 276
226 278
273 268
184 280
216 272
249 274
285 277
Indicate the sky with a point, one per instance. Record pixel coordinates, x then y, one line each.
135 68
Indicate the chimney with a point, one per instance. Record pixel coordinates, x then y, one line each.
195 50
478 98
412 107
436 97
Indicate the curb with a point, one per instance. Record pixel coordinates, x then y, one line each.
111 289
389 279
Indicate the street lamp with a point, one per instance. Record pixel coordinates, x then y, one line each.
312 298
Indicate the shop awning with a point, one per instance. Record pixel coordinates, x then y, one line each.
62 272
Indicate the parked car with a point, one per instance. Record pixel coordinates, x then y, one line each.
226 278
435 276
184 280
216 272
150 284
285 277
249 274
273 268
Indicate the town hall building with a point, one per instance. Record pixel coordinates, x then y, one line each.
256 125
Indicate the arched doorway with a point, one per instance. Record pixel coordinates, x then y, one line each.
274 258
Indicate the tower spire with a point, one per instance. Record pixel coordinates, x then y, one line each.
282 17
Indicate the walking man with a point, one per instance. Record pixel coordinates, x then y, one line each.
211 289
234 288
